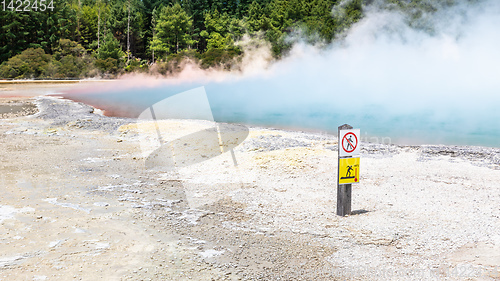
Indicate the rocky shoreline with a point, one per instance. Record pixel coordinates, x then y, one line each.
79 203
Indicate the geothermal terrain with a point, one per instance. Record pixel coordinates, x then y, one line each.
78 203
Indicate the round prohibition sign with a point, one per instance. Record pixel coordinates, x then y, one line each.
349 143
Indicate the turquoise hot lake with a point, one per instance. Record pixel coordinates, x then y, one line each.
402 120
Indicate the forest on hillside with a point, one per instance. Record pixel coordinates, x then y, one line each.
105 38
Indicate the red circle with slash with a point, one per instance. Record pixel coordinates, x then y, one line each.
346 141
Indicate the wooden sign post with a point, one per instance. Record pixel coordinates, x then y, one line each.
348 168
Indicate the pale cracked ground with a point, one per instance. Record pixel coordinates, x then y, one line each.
78 204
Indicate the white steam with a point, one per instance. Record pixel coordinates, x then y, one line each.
385 77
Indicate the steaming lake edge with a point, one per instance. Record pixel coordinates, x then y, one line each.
489 152
486 154
448 123
77 197
410 128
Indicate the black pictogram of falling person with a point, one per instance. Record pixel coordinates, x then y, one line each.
349 169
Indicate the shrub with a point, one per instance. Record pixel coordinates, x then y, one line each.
71 67
31 63
52 70
137 65
175 62
109 65
219 58
73 61
67 47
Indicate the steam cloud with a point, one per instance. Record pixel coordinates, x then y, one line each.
413 85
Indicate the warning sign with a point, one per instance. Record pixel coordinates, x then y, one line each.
349 143
349 170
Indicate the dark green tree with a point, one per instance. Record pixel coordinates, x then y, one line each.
256 20
205 30
13 35
111 48
173 30
221 30
110 57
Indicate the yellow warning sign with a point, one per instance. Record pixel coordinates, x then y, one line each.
348 170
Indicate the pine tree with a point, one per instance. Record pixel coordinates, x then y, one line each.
14 34
110 49
256 18
173 30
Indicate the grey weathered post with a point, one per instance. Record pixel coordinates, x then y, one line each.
343 190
